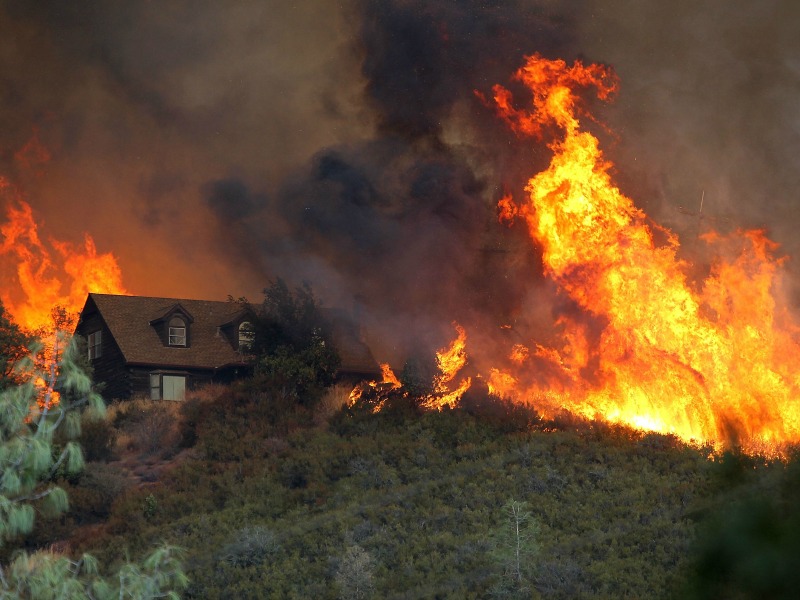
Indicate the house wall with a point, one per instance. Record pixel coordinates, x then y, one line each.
109 368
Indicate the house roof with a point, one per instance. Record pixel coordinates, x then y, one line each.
129 319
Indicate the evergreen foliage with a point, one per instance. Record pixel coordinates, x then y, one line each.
38 428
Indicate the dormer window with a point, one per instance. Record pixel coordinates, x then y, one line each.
246 336
177 332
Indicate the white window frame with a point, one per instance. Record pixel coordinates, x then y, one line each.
246 336
94 342
177 332
167 386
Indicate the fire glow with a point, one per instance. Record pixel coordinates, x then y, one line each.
42 268
714 361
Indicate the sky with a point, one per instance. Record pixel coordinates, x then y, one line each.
215 146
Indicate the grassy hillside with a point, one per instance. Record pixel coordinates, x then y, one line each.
272 503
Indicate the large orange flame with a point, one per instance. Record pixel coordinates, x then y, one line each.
450 361
48 275
714 362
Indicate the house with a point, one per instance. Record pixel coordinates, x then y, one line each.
160 347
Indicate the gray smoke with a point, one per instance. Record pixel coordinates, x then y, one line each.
215 146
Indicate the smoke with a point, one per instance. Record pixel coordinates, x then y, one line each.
214 147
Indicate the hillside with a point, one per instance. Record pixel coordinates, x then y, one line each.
399 504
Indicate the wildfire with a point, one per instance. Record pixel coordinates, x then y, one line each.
450 361
389 381
709 362
50 280
716 363
49 275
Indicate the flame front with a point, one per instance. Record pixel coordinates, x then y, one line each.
48 275
715 363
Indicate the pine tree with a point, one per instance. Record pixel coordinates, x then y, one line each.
46 402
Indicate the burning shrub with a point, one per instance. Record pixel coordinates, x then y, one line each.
13 348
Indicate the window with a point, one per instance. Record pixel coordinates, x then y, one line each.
167 387
95 345
173 387
177 332
155 386
246 336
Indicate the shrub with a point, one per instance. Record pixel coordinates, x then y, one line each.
250 546
92 496
98 439
149 427
333 400
354 576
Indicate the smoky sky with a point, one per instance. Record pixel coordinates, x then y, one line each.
215 146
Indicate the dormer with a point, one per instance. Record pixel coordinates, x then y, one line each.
174 327
239 331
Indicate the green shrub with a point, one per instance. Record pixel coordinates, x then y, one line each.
250 546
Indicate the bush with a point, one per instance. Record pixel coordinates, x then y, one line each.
92 496
98 439
250 546
505 415
149 427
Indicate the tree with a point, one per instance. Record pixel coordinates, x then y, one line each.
31 456
355 574
13 348
293 343
515 548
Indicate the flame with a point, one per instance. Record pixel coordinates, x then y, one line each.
51 275
389 381
389 378
713 362
449 361
507 210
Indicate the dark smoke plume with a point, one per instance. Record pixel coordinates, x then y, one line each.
215 146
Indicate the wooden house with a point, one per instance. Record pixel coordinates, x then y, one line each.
160 347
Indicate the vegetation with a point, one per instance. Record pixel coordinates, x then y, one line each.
277 499
295 356
38 429
453 504
14 345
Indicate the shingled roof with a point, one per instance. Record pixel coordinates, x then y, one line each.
130 318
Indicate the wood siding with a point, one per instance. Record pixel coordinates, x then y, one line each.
109 367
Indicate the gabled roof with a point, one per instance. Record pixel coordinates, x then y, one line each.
129 319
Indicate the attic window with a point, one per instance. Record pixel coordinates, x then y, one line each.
177 332
246 335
